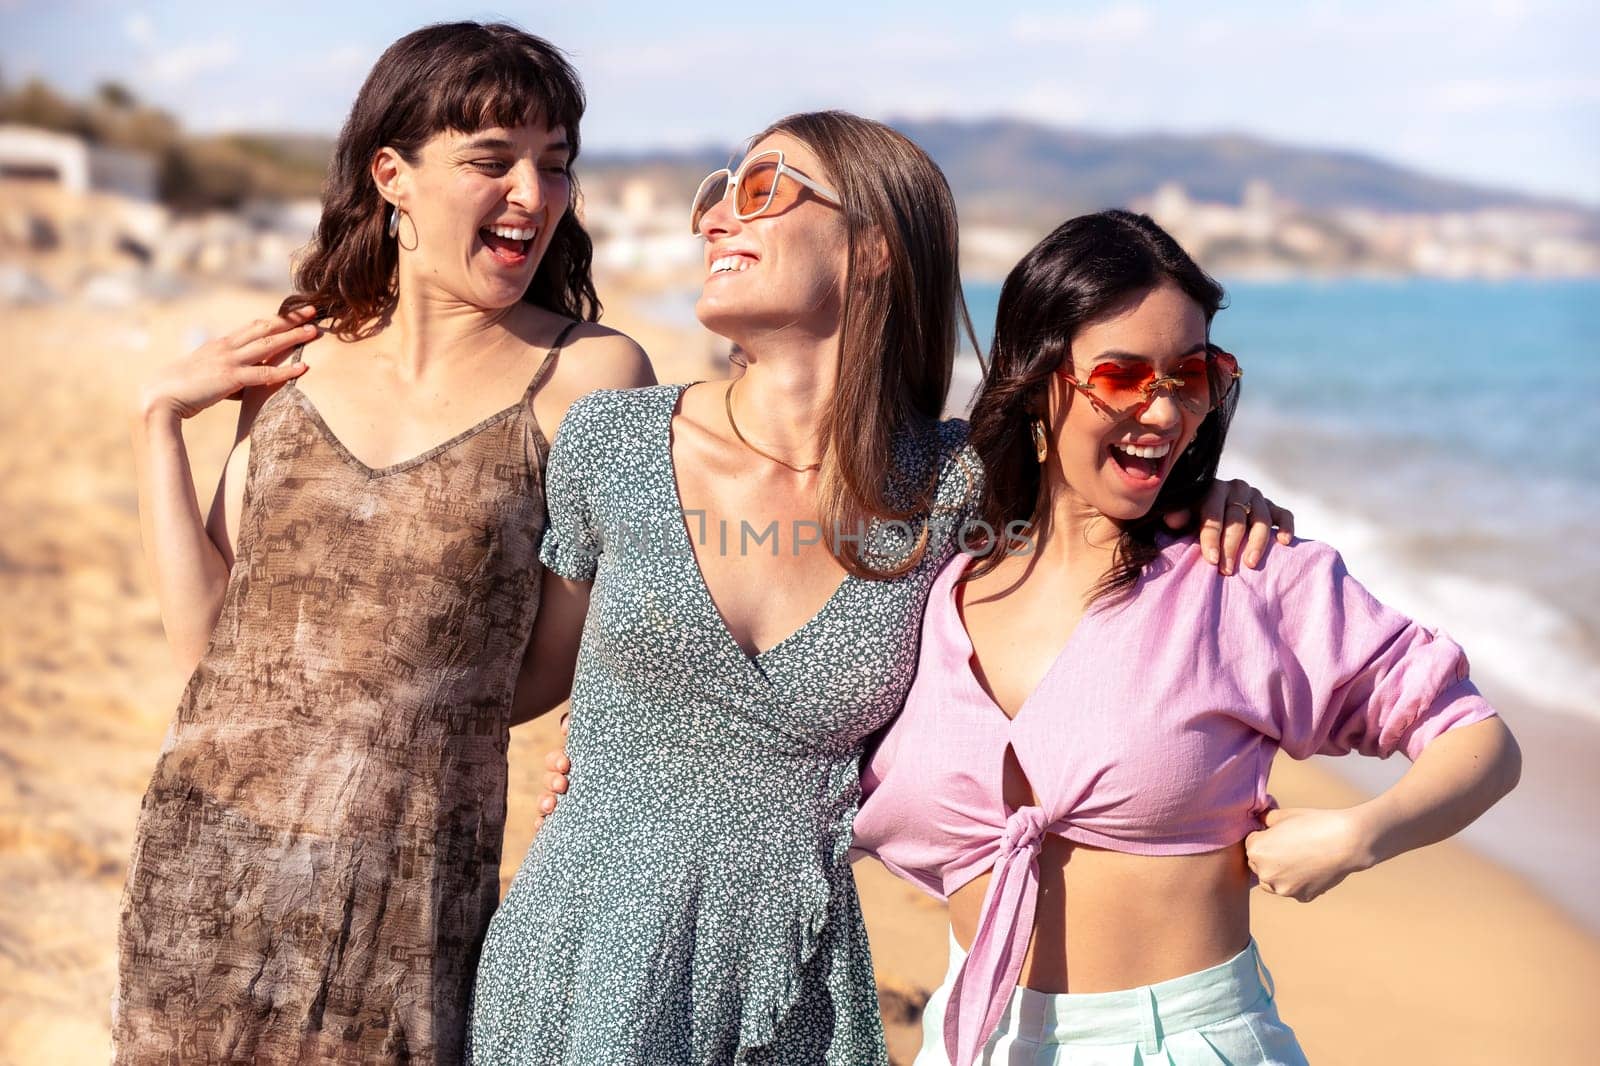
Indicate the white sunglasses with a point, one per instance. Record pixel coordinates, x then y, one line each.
755 188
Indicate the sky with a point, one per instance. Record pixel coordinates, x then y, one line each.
1503 92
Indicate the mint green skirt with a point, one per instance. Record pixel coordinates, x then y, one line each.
1222 1016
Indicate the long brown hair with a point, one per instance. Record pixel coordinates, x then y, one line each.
899 326
1085 268
463 76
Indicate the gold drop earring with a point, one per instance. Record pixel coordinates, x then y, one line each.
1041 443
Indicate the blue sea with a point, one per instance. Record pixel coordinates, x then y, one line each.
1442 435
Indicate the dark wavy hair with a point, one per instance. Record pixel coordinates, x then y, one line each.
462 76
1088 266
899 326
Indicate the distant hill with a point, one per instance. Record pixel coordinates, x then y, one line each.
1002 170
1005 159
1007 170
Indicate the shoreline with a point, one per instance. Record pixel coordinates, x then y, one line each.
981 275
1547 831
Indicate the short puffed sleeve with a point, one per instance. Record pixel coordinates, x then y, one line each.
573 538
1356 675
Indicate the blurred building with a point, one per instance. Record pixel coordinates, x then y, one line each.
1266 234
30 154
640 226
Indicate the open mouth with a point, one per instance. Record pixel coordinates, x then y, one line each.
731 264
1142 464
509 244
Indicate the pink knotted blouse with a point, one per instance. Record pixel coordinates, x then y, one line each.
1151 733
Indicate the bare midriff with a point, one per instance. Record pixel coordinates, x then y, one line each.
1108 920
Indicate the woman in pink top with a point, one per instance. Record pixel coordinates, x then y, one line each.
1081 765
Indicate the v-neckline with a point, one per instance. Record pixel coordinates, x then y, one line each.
704 587
310 407
958 625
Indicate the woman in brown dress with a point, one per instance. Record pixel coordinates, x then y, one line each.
317 855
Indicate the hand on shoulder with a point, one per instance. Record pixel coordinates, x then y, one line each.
251 361
1237 524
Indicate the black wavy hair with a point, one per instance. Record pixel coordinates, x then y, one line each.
1088 266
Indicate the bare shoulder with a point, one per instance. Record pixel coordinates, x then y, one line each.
599 357
593 357
254 397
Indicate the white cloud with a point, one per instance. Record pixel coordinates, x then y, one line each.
921 46
140 29
158 63
344 59
1118 24
252 115
1053 103
1469 95
1507 11
183 63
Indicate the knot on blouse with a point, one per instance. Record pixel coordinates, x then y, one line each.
1024 830
1005 925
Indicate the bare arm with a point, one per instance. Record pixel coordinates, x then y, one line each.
1460 775
189 568
596 358
545 677
1303 852
189 556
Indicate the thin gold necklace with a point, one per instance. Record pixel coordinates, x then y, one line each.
727 404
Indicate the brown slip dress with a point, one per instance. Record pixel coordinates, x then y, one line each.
317 856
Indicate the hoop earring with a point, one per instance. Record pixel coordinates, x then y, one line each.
396 219
1041 443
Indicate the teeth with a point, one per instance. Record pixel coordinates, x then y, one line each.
730 262
512 234
1156 451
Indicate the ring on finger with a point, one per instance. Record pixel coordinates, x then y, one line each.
1245 507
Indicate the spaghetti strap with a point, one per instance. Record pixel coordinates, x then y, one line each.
549 360
561 338
294 382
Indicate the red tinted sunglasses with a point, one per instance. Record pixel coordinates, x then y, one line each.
1200 383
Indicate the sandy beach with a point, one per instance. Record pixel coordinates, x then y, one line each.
1438 957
